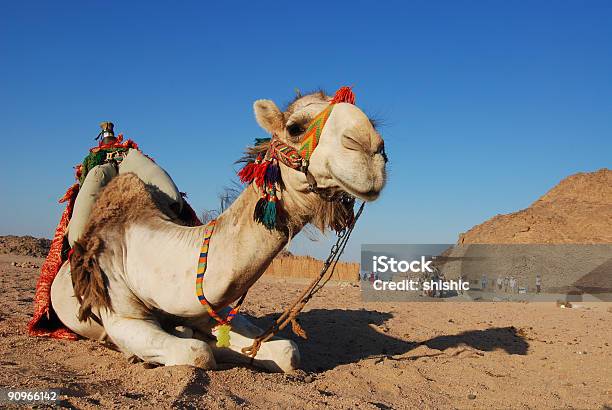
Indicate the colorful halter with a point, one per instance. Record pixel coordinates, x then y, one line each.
223 337
265 172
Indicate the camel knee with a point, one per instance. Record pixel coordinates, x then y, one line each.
191 352
283 353
290 356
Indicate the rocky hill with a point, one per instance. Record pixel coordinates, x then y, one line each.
577 210
24 245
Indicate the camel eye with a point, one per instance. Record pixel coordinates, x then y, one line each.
295 129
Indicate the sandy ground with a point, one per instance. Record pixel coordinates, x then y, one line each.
359 355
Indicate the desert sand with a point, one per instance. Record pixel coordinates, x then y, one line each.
359 355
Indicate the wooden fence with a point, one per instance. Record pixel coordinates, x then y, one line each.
307 267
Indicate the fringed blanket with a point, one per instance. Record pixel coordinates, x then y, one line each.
44 321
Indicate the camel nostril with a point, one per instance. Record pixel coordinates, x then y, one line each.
381 151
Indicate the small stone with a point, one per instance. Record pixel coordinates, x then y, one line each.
471 396
308 379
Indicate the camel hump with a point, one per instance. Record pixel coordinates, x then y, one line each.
125 199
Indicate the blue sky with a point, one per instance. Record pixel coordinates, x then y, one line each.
485 104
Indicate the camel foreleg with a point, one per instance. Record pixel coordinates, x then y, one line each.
275 355
147 340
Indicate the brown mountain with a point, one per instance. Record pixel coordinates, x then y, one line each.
577 210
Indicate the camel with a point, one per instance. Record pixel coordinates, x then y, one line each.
137 265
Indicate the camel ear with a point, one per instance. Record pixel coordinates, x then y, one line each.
268 116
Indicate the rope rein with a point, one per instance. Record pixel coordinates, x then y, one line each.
290 313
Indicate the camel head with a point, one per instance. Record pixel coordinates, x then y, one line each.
321 148
349 155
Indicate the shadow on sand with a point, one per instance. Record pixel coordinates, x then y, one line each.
487 340
337 337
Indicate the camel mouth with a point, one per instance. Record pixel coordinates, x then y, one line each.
364 178
366 195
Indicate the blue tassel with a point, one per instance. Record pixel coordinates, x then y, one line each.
272 173
269 217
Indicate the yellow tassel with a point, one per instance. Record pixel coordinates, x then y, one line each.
223 336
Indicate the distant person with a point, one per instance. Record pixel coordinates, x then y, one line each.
483 282
512 284
435 288
500 283
506 283
538 283
441 280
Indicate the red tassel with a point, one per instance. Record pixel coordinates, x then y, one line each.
78 171
260 173
247 173
344 94
70 194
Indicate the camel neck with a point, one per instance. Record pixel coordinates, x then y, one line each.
241 249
